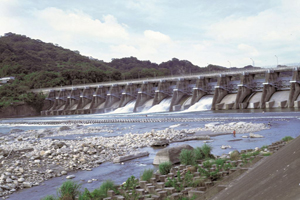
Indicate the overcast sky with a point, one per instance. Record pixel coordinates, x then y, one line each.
202 31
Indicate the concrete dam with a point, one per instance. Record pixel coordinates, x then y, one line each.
252 89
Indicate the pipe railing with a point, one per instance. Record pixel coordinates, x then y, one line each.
171 77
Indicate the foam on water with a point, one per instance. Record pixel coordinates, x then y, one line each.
203 104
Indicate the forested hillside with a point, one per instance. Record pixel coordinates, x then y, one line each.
38 64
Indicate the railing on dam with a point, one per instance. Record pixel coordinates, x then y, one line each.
239 89
171 77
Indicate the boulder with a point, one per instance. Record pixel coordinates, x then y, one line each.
130 156
64 128
234 155
211 125
225 147
39 135
162 142
170 154
99 161
197 137
63 172
58 145
27 184
70 176
16 130
252 135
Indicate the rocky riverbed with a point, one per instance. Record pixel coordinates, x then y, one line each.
27 158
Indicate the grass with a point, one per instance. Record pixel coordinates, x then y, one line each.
147 175
69 190
287 138
187 157
165 167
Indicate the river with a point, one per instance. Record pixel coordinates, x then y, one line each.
282 122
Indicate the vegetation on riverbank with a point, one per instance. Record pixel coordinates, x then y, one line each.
192 173
16 93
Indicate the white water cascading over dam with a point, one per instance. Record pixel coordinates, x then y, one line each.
259 88
128 108
203 104
163 106
254 101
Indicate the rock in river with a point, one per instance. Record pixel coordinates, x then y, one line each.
130 156
170 154
161 142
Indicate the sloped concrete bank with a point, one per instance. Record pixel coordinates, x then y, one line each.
277 177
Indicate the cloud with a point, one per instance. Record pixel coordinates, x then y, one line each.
248 49
157 37
261 36
151 45
77 23
124 50
161 30
276 24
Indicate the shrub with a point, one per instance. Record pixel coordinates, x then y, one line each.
214 175
198 154
69 190
187 157
102 191
227 166
130 183
86 195
198 182
188 178
206 149
176 183
147 175
267 154
203 172
264 147
164 168
255 153
49 197
207 164
287 138
219 162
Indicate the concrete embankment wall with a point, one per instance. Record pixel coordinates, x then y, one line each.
21 110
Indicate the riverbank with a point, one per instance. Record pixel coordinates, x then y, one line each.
28 158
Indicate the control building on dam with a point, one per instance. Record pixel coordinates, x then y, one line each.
261 88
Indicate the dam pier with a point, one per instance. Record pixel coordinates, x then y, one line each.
251 89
